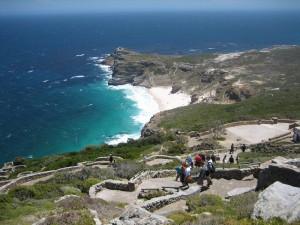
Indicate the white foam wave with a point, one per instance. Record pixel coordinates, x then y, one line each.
76 77
104 68
122 138
30 71
143 101
80 55
45 81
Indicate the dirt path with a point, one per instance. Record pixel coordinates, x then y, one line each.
32 182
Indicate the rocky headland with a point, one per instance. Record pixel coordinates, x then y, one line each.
217 78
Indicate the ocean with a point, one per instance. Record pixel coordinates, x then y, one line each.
54 96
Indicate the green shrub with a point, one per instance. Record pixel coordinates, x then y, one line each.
181 217
205 203
84 186
127 169
4 198
71 218
48 191
174 147
23 192
243 205
67 190
62 162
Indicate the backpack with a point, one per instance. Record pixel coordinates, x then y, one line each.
210 167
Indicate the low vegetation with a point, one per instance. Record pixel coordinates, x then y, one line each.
211 209
201 117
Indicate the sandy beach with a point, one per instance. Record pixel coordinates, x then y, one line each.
166 100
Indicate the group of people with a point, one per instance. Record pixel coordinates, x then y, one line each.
205 165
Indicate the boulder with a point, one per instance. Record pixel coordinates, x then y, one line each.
239 93
185 67
175 89
239 191
278 200
137 215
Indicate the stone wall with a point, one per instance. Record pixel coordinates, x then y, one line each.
35 176
159 202
283 170
237 174
112 185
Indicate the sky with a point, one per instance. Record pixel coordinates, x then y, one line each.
77 6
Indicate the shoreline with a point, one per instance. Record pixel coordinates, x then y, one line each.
166 100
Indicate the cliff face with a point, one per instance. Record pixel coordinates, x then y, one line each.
219 78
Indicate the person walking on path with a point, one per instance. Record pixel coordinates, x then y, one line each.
189 160
213 158
182 174
243 148
145 159
198 160
203 156
231 159
111 159
178 170
187 174
231 149
209 170
204 175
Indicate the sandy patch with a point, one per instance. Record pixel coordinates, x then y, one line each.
224 57
166 100
257 82
251 134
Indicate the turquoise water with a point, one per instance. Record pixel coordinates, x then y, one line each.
54 96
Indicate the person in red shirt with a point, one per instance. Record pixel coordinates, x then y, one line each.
198 160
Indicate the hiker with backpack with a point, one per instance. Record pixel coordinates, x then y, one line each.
206 171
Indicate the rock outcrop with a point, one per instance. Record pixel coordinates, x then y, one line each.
239 93
208 75
137 215
278 200
286 171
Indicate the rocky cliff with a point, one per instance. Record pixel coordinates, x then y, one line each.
219 78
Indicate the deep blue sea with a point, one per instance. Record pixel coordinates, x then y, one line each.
54 96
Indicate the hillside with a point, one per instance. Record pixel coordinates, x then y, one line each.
218 78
